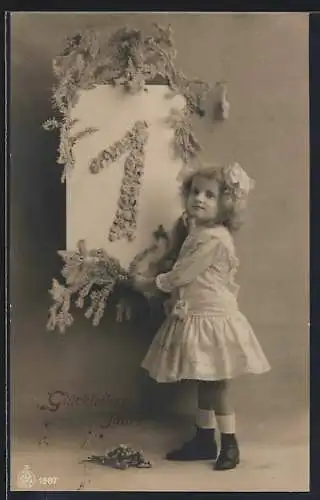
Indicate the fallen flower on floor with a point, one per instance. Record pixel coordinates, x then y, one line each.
121 457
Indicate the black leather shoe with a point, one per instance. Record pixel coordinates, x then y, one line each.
201 447
229 456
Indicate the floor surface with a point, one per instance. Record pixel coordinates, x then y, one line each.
274 457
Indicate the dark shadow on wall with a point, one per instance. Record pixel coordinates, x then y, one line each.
37 195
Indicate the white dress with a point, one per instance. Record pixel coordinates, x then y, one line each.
205 337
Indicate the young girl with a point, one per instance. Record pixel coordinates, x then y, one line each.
205 337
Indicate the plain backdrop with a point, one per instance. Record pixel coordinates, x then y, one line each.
264 59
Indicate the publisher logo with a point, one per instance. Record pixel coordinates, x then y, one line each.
26 478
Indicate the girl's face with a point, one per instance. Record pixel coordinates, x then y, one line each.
203 199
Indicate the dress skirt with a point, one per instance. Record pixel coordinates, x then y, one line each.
204 347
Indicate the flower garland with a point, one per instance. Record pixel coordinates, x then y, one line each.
127 58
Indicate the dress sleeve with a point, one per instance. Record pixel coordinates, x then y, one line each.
193 262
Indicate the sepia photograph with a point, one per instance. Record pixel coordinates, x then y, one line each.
159 251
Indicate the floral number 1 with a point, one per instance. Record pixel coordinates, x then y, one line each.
133 143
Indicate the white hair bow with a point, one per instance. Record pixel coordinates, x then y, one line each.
237 179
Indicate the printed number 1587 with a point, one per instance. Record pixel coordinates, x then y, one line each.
48 480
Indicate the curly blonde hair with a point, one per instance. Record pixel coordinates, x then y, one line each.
232 207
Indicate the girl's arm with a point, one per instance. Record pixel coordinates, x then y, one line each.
190 265
177 236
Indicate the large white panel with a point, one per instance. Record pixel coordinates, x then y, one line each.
92 198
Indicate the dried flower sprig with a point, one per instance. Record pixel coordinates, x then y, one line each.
121 457
51 124
72 69
88 274
185 145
